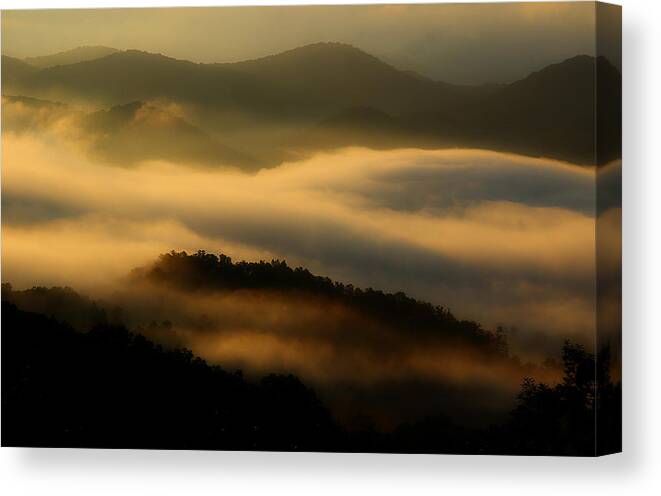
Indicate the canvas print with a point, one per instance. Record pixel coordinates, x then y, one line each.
350 228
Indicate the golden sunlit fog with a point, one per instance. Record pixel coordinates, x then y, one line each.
346 233
526 264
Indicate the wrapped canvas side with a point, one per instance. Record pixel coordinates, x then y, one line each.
608 132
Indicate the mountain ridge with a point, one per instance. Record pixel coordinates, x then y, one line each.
71 56
548 113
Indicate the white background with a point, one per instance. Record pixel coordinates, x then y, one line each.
637 471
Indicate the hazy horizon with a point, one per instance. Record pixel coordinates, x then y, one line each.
444 42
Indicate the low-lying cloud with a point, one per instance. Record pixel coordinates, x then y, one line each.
498 238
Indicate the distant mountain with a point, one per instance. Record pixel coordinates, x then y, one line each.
549 113
340 75
276 102
133 75
34 102
360 118
13 71
22 114
311 81
138 131
554 109
357 126
73 56
125 134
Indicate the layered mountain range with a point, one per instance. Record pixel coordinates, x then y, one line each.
328 95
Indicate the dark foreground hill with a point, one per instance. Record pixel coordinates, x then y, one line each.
109 387
203 271
549 113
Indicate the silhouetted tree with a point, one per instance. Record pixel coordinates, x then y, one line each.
203 271
563 419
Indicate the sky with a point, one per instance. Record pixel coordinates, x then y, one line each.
457 43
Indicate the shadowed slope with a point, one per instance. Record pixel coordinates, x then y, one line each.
123 135
337 75
13 71
206 272
137 131
109 388
73 56
135 75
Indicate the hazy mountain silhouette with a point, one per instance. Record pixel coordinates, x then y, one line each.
73 56
127 134
65 304
337 75
22 114
549 113
308 81
203 271
133 75
13 71
357 118
138 131
359 126
34 102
